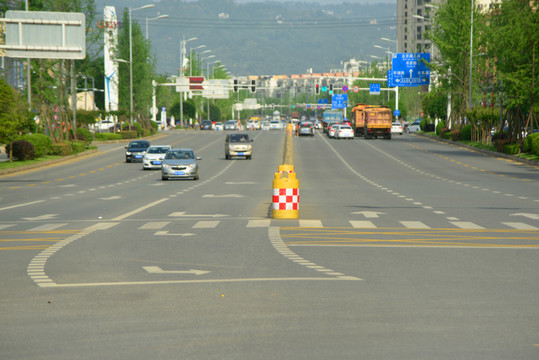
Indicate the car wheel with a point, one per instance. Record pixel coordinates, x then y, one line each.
164 178
249 157
127 160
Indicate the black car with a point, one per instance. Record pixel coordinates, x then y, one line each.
135 150
206 125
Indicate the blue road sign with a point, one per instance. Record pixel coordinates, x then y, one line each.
396 113
409 69
374 89
322 101
339 101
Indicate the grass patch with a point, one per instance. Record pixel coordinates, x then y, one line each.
15 164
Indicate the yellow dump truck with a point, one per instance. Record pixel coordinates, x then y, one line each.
359 118
377 122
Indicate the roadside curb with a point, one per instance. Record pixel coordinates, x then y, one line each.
46 163
483 151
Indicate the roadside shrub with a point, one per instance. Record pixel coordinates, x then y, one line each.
129 134
77 146
108 136
439 127
22 150
85 135
456 135
62 149
42 144
535 145
422 124
466 132
511 149
528 143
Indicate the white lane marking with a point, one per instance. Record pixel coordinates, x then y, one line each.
206 224
466 225
5 226
19 205
142 208
165 233
529 216
414 225
154 225
184 214
280 246
47 227
158 270
42 217
362 224
259 223
369 214
311 223
520 226
223 196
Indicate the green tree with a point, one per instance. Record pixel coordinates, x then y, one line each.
512 46
451 35
15 119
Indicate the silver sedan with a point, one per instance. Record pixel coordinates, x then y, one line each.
153 159
180 164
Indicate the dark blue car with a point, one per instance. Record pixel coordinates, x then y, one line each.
135 151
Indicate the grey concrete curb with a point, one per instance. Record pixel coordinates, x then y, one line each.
46 163
483 151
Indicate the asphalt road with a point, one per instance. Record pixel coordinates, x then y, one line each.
404 249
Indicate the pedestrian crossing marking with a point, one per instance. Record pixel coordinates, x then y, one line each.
466 225
310 223
154 225
414 225
362 224
258 223
47 227
206 224
520 226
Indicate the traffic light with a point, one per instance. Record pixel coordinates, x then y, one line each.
235 88
253 86
317 89
331 88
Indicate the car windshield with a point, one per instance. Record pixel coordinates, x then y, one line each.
138 144
239 138
157 150
180 154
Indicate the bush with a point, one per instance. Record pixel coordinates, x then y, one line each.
439 127
535 144
85 135
422 124
77 146
108 136
511 149
22 150
466 133
528 143
62 149
42 144
129 134
456 135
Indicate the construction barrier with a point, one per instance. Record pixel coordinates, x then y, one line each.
286 168
285 196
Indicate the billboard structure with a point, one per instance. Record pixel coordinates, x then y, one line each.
111 26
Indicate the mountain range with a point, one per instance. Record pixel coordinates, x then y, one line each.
265 37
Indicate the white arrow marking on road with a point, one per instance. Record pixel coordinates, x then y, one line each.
158 270
183 213
115 197
529 216
166 233
223 196
42 217
369 214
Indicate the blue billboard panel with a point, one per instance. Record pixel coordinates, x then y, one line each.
339 101
409 69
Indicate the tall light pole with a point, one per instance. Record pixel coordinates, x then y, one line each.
471 54
151 19
131 59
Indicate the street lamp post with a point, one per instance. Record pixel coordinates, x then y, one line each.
151 19
182 61
131 59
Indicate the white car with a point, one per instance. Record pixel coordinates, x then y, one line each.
414 127
396 128
153 159
265 125
344 132
331 130
219 126
275 125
